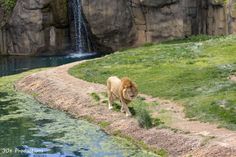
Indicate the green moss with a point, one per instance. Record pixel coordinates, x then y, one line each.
8 5
95 97
193 73
104 124
141 144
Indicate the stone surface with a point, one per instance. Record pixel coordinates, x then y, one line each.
36 27
231 16
154 21
110 22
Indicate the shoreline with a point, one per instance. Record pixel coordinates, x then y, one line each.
57 89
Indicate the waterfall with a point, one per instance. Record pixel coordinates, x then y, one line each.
81 34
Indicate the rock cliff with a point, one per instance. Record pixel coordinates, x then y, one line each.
125 23
38 27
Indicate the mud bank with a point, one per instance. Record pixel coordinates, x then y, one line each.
59 90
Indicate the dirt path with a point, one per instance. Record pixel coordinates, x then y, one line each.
56 88
232 77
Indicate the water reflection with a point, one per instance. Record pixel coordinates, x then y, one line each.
16 64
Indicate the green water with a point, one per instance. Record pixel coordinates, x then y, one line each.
30 129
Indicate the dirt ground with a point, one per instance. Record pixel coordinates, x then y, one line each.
232 77
57 89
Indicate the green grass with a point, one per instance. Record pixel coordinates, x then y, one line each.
7 82
192 72
143 115
95 97
104 124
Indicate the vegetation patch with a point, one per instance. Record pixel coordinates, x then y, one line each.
95 97
8 5
143 117
142 114
141 144
192 72
104 124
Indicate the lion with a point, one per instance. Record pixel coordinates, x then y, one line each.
123 89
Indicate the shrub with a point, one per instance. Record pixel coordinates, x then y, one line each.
144 118
143 115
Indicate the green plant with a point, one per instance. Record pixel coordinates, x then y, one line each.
142 115
157 122
95 96
104 124
144 118
8 4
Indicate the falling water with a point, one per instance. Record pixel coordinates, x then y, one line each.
81 35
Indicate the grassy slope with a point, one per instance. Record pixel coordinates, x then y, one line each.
191 72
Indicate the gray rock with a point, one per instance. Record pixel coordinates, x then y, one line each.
110 23
37 27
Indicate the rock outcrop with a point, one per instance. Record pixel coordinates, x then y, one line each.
39 27
125 23
36 27
110 22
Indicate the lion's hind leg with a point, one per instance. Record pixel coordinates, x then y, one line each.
109 94
110 100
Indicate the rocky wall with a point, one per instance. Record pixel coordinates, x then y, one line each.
36 27
41 27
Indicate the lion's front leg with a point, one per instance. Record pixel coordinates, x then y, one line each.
126 109
122 108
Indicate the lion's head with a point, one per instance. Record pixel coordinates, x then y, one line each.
129 89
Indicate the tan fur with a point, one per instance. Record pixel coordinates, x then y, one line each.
123 89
